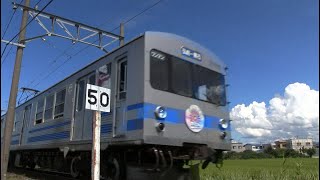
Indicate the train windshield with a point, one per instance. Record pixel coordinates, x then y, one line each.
175 75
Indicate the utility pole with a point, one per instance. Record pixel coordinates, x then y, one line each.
64 24
5 147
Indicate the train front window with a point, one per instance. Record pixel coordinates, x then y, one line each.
175 75
181 77
208 85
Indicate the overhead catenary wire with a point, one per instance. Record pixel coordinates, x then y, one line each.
3 60
63 52
6 28
6 56
26 26
81 50
52 62
143 11
5 31
22 29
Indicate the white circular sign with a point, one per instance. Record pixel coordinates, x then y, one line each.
194 118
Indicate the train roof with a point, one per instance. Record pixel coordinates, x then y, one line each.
158 36
154 36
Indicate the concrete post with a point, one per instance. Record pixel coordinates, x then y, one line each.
5 146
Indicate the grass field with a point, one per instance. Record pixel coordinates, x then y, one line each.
278 169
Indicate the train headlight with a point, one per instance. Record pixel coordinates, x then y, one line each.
224 123
160 112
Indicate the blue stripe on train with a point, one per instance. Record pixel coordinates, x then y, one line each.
49 127
105 114
106 128
175 116
15 135
135 124
144 111
46 137
14 142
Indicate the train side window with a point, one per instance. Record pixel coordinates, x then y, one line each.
2 123
2 126
39 113
122 88
92 79
80 95
59 105
49 107
104 73
16 121
16 126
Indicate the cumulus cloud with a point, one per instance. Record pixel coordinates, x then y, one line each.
296 113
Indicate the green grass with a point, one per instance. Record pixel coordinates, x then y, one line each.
255 169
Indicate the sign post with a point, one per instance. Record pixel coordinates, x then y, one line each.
98 99
95 157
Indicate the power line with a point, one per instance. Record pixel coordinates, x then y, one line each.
63 52
26 26
69 58
143 11
37 3
5 31
6 56
2 62
52 62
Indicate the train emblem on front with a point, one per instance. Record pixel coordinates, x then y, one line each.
194 118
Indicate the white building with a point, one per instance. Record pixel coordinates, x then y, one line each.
299 144
237 147
253 147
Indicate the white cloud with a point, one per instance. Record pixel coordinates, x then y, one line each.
296 113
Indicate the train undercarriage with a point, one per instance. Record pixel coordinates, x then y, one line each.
134 162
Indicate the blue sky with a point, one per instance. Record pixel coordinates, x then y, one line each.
267 45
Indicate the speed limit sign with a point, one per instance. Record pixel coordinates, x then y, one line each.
97 98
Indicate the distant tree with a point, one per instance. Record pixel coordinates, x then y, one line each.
279 153
248 154
292 153
310 152
272 152
231 155
268 150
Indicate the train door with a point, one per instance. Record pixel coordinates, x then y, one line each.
25 124
120 125
82 123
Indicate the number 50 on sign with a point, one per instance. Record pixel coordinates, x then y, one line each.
97 98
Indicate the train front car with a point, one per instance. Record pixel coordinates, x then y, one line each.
185 108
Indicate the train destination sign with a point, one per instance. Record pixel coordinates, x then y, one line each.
98 98
190 53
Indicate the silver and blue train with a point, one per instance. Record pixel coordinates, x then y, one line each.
168 106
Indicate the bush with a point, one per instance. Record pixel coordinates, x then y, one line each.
232 155
292 153
267 153
310 152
